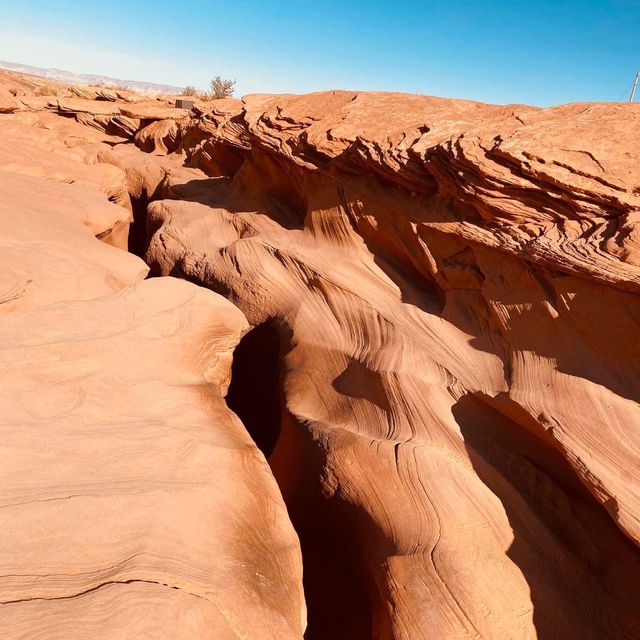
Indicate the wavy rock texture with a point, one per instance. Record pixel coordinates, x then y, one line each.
54 204
49 246
42 153
118 515
442 370
455 290
134 504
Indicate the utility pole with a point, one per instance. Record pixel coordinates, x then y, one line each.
633 88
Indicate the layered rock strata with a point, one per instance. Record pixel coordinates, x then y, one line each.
442 369
455 288
134 503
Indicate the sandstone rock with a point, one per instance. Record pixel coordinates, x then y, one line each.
106 94
33 102
50 251
150 111
442 373
161 136
129 96
459 436
103 116
49 126
134 503
31 151
17 83
8 103
144 173
70 106
82 92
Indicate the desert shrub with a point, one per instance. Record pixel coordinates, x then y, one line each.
221 88
190 91
47 90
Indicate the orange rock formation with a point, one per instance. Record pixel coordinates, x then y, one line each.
442 369
134 502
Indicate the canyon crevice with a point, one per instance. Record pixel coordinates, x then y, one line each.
431 413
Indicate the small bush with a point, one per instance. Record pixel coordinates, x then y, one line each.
221 88
46 90
190 91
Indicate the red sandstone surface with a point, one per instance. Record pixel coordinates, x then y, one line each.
428 349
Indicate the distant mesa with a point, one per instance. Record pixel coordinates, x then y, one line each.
89 79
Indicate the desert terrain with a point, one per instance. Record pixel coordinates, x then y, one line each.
340 366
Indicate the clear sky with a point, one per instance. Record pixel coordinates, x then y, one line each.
536 51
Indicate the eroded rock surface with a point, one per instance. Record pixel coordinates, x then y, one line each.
134 503
442 373
455 285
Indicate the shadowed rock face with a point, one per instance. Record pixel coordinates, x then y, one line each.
255 388
441 370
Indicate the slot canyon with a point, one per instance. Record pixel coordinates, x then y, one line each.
336 366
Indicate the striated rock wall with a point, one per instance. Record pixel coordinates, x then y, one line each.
440 365
455 287
133 502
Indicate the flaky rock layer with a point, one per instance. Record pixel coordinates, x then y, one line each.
442 370
456 287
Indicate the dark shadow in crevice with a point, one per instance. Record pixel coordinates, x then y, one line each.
260 183
338 596
212 192
254 392
338 592
582 571
138 228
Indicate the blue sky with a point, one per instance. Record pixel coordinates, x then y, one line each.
537 52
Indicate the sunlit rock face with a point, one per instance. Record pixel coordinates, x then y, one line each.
455 289
430 333
134 503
